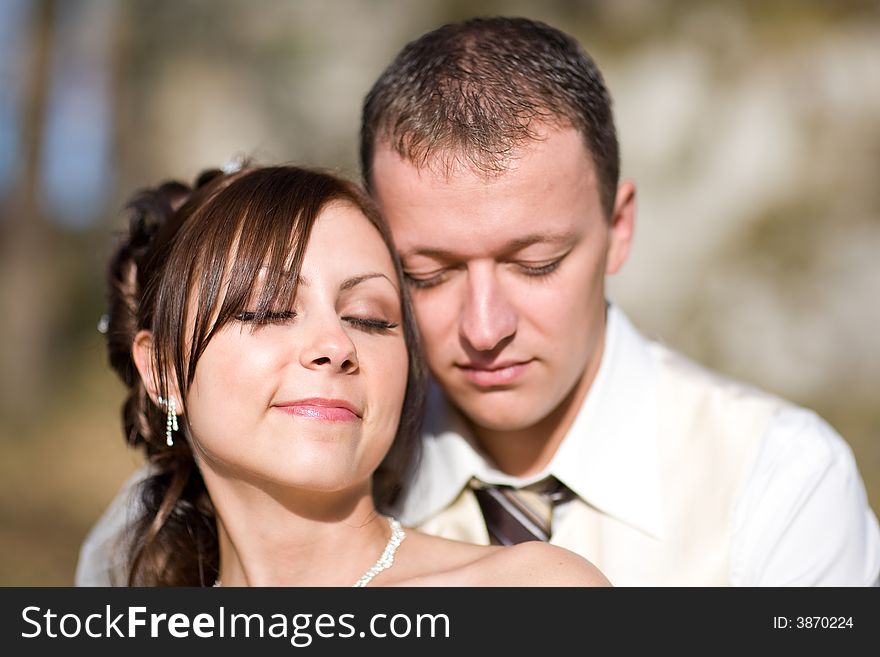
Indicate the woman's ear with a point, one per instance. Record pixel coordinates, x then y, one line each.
142 352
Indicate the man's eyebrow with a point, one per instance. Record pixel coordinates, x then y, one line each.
511 246
349 283
536 238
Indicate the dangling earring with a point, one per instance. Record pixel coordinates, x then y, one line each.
171 422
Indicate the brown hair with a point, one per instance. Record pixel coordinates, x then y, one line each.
470 91
208 243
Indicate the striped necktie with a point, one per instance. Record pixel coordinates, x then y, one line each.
515 515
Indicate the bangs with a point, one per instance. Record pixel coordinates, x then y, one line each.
251 236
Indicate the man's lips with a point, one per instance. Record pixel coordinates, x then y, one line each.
319 408
496 374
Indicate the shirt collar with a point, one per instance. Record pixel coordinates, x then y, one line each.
609 457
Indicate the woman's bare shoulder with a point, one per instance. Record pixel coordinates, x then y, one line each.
443 562
538 564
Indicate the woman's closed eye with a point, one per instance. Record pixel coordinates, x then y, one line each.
371 324
269 317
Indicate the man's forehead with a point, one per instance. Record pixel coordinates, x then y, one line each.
439 169
548 195
451 163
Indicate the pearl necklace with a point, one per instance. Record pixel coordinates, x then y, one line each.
385 561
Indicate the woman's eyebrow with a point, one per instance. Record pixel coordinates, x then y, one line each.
349 283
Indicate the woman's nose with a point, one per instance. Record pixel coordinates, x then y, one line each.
329 346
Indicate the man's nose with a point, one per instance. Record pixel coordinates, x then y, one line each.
327 345
488 319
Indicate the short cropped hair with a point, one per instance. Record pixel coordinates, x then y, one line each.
470 93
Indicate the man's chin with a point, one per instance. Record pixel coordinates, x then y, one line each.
515 413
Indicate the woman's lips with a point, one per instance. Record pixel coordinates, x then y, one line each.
331 410
495 375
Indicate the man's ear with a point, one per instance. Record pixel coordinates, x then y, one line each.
623 221
142 349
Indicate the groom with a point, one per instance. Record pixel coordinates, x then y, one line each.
491 149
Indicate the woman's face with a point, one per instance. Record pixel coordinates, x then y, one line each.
312 398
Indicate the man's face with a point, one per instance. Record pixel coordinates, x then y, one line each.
507 273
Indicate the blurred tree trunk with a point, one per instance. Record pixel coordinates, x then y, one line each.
27 245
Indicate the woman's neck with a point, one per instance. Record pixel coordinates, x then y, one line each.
295 540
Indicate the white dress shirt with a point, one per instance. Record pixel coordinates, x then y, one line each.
800 517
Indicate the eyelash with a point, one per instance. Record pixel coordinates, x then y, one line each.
367 324
543 270
423 283
436 279
371 325
269 318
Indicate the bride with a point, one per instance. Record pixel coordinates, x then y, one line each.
261 326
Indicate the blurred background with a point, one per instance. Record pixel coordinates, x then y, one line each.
751 128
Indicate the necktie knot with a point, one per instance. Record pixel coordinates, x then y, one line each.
515 515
